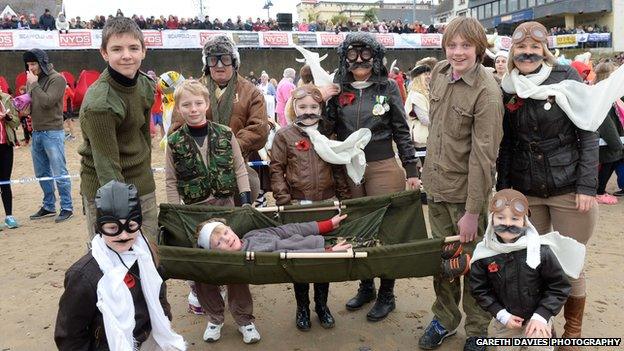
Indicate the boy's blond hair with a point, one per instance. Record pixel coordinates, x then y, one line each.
193 87
118 26
469 29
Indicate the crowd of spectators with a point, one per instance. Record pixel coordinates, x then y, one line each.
579 30
49 22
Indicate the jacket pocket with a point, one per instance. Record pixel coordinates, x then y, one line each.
459 122
562 167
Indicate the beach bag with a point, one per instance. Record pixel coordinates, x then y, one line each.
21 102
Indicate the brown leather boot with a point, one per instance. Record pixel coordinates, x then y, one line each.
573 313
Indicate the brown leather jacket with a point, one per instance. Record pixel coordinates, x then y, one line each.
299 174
249 120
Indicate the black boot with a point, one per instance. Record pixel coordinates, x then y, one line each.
385 301
302 318
321 290
365 294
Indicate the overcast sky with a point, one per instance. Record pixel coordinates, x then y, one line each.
221 9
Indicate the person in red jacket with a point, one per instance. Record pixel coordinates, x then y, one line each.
157 110
397 76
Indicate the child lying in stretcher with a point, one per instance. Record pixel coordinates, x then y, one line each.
214 234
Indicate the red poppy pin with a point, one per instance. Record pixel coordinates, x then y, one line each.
129 280
346 98
493 267
302 145
514 103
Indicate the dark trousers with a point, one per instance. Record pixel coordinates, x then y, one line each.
302 291
6 166
605 172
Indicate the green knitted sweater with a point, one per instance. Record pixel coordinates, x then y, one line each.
115 127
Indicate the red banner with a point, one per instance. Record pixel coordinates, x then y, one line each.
430 40
75 39
328 39
6 39
386 40
205 36
153 38
275 39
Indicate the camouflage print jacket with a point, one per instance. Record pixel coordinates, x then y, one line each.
197 180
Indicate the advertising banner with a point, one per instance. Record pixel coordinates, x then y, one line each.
195 39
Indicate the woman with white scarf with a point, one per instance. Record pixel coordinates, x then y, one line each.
549 152
366 98
114 298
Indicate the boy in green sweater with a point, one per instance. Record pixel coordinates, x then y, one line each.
114 119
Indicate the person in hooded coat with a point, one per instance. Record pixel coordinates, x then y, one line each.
46 88
368 99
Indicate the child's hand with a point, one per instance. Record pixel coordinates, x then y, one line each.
328 91
514 322
341 247
537 329
335 220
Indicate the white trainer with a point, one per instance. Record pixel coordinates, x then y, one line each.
212 332
194 306
250 333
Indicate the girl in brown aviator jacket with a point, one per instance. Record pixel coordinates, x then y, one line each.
299 174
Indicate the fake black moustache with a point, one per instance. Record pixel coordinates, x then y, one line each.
528 57
123 241
510 229
356 65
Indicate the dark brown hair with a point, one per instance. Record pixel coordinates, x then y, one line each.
118 26
470 30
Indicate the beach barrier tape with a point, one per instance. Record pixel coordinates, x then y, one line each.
26 180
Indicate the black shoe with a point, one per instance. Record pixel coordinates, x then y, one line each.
63 216
302 318
366 293
383 306
619 193
42 213
325 317
434 336
471 344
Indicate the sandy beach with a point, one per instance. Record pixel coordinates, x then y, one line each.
34 257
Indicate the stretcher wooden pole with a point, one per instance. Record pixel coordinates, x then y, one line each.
450 239
336 206
343 254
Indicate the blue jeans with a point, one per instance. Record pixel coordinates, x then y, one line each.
619 171
48 154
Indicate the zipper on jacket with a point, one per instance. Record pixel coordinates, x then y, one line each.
315 175
357 120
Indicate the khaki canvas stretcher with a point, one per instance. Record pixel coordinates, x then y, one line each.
393 226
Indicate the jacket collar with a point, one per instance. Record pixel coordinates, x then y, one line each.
468 77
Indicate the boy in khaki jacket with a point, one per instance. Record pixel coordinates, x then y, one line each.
466 128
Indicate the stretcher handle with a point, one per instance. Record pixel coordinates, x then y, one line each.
343 254
310 209
450 239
